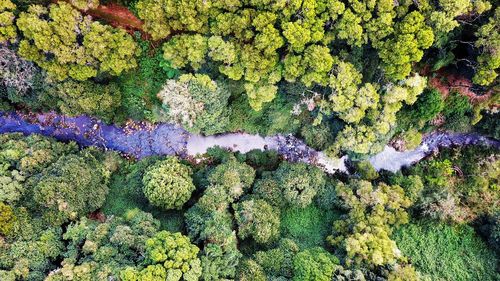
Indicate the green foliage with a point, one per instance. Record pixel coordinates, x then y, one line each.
349 99
262 43
167 184
489 125
169 256
186 49
7 219
444 252
197 103
371 135
366 171
125 193
448 195
278 262
275 116
66 44
249 270
364 233
428 105
412 185
411 139
308 226
8 32
412 37
299 183
314 264
139 86
73 186
77 98
209 220
30 259
257 219
84 5
489 43
403 273
101 250
456 104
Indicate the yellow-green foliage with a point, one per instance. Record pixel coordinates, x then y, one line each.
365 231
262 42
84 5
169 256
168 184
7 27
66 44
489 59
86 97
7 219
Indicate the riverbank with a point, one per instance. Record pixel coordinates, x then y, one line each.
140 140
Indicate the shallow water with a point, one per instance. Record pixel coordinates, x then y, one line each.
142 139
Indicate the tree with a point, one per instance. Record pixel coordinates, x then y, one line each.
73 186
31 259
349 99
167 184
7 28
314 264
299 182
197 103
84 5
169 256
364 233
235 177
66 44
77 98
249 270
279 261
7 219
411 37
101 250
489 43
257 219
16 74
428 105
186 49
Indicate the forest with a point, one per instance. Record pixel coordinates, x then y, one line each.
347 80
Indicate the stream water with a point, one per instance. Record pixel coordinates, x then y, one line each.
143 139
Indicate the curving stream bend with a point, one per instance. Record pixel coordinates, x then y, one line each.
143 139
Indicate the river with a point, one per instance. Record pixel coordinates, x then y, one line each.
140 139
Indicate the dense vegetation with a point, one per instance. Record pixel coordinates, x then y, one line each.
85 214
346 76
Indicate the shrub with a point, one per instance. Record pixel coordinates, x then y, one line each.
307 226
445 252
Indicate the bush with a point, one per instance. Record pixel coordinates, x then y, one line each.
167 184
307 226
445 252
